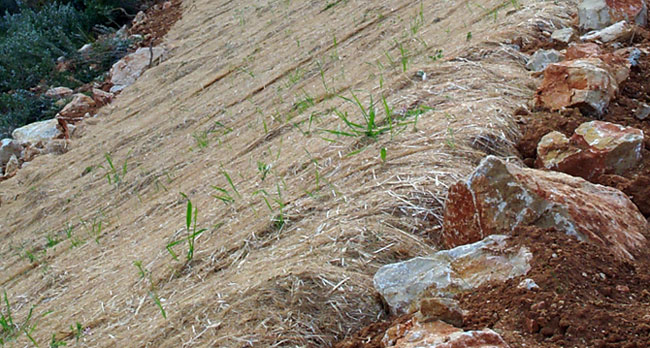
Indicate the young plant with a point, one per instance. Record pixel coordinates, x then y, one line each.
113 175
156 300
201 139
192 232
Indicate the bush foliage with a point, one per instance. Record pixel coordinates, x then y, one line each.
35 33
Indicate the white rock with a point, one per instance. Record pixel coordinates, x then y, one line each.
37 131
643 111
617 31
8 148
450 271
128 69
542 58
565 35
528 284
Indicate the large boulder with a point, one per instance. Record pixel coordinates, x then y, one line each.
595 148
498 197
8 148
598 14
37 132
437 334
128 69
77 108
449 272
589 84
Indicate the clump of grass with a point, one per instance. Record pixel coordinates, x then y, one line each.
192 232
201 139
9 330
113 175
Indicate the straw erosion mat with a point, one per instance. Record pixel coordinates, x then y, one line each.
257 117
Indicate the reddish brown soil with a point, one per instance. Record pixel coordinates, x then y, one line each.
586 297
157 23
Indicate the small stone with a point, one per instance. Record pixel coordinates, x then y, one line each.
622 288
542 58
528 284
139 18
642 112
58 92
12 166
102 98
439 308
565 35
167 5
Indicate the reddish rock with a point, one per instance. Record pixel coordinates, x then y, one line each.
583 50
102 98
59 92
77 108
589 84
498 196
438 334
595 148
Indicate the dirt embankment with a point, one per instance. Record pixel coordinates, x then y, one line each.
300 207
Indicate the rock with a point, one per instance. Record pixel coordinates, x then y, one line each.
498 197
31 151
642 112
58 92
37 131
166 5
449 272
12 166
528 284
589 84
139 18
102 98
85 48
583 50
595 148
440 308
437 334
615 32
56 146
542 58
128 69
8 148
565 35
598 14
79 105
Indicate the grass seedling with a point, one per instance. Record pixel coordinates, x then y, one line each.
231 183
418 21
192 232
382 154
78 331
54 343
469 36
141 270
74 241
156 300
201 139
451 141
263 168
9 330
404 59
369 128
113 175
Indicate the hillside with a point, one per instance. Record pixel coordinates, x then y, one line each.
252 117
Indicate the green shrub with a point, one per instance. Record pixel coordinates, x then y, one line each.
23 107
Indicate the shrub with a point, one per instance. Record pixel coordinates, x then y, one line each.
23 107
